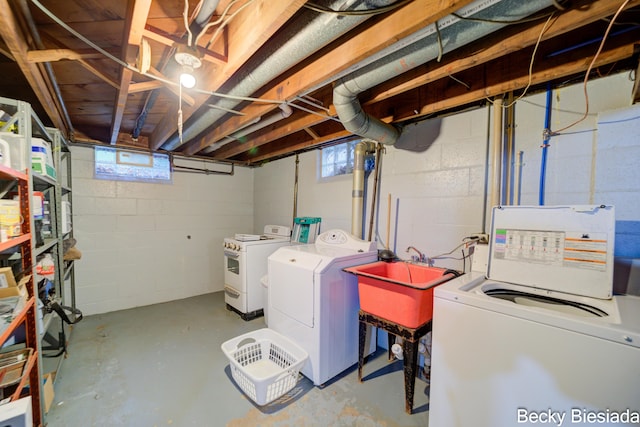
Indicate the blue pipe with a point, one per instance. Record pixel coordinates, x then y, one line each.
545 143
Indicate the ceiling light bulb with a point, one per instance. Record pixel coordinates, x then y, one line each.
187 79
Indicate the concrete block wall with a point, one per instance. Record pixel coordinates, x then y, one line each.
571 157
436 188
134 235
148 243
437 171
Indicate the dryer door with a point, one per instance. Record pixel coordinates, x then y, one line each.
291 287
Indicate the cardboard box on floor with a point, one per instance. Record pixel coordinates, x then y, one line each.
47 390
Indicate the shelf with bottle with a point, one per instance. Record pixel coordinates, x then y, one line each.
17 249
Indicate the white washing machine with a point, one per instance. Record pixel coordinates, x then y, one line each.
314 303
538 339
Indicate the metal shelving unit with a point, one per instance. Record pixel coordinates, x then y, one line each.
49 336
19 253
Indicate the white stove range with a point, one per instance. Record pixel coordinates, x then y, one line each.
245 260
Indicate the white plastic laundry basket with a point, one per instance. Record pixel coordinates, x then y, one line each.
264 364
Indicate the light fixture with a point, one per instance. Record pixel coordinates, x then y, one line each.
187 57
187 79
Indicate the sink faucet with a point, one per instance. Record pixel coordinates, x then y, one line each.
420 257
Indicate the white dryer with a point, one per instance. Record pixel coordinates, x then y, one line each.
314 303
539 338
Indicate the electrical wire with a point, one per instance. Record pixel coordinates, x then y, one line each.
588 72
223 20
369 12
502 21
307 110
440 47
217 21
134 69
215 35
186 22
467 241
533 55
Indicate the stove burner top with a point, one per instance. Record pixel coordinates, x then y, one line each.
247 237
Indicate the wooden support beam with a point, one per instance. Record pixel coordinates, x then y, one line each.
255 25
137 13
388 30
171 41
297 123
7 54
98 73
344 135
312 134
53 55
509 40
499 78
145 86
15 40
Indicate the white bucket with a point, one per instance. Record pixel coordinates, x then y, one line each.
16 150
5 153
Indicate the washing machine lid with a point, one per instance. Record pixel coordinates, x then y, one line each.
566 249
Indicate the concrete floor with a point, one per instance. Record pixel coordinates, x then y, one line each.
162 365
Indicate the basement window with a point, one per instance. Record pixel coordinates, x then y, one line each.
338 160
126 165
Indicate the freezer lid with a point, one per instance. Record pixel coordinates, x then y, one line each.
559 248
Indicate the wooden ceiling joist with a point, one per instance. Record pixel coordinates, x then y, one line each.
244 40
412 17
15 40
137 14
53 55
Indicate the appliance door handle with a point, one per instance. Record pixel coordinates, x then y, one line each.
231 292
231 254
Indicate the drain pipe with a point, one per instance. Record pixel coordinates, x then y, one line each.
451 34
311 32
357 194
255 125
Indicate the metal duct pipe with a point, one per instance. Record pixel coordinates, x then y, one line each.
357 193
454 33
256 125
310 33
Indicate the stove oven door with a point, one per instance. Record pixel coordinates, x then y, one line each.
235 288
